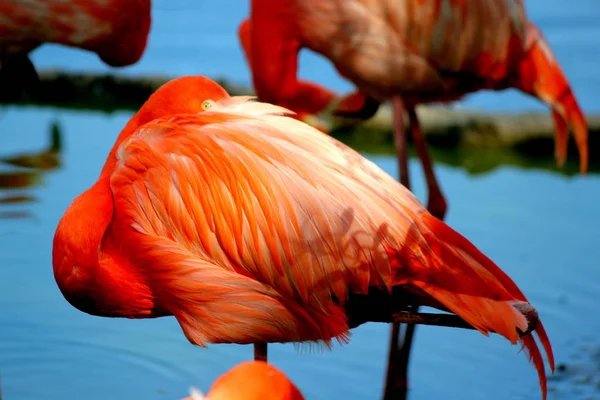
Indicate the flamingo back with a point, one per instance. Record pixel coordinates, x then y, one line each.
388 46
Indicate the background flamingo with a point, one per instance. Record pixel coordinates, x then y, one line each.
117 30
412 52
251 380
252 227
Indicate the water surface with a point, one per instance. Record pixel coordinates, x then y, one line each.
539 226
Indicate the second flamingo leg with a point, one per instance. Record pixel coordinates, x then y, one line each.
436 203
437 206
396 384
400 141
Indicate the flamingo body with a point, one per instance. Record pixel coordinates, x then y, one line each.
250 226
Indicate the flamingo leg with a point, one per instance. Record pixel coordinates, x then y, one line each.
402 359
396 383
260 352
436 203
400 140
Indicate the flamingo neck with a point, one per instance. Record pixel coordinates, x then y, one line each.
90 273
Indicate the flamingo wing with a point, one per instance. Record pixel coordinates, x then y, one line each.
253 227
264 221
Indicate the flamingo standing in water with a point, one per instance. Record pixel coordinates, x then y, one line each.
251 380
250 226
411 52
117 30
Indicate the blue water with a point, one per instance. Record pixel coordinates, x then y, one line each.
539 226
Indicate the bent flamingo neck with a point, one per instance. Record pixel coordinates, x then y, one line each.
89 271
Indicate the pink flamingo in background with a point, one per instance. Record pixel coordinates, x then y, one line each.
410 52
117 30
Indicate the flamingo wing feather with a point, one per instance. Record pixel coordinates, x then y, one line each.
254 227
269 205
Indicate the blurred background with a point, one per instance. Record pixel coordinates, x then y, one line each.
540 224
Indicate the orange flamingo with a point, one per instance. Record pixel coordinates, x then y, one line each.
412 52
251 380
117 30
250 226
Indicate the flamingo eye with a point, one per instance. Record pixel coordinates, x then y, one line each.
207 104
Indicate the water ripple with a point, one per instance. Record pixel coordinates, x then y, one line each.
31 356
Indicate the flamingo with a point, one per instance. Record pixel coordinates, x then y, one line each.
117 30
410 52
251 380
250 226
